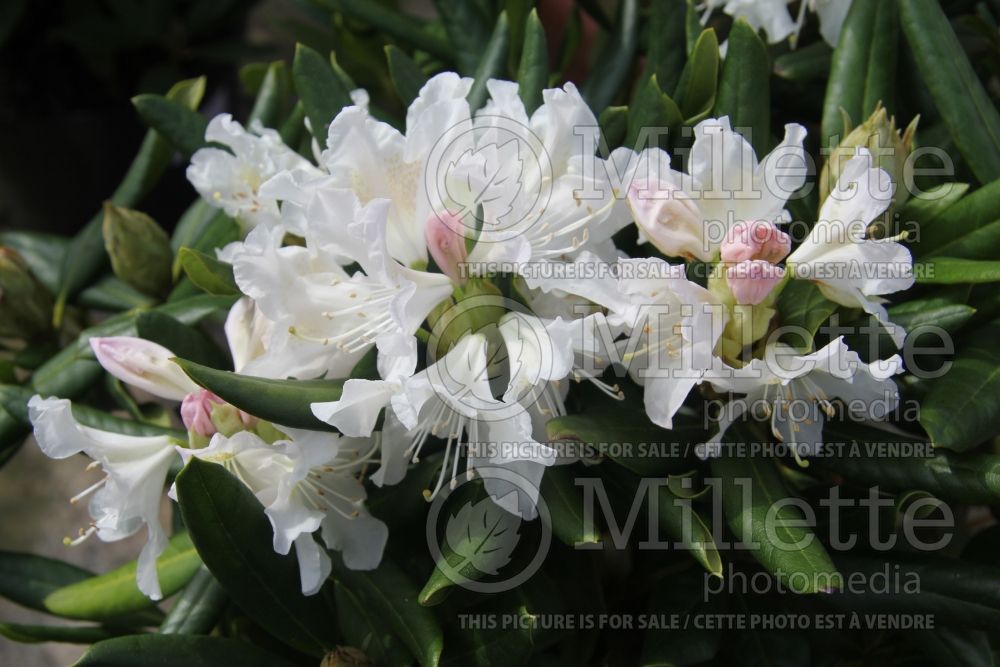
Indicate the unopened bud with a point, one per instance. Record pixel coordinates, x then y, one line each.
753 280
25 304
757 239
229 420
446 244
139 249
196 412
889 149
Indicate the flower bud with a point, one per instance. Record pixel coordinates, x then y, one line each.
229 420
751 281
889 148
670 220
143 364
139 249
758 239
477 308
196 412
25 304
445 237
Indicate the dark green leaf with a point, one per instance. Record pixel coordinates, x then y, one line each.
274 96
468 27
953 219
803 308
614 124
615 60
35 634
491 64
955 271
652 110
744 88
280 401
184 128
667 51
181 339
533 71
388 592
207 273
197 608
681 597
564 500
794 554
27 579
805 64
363 628
321 90
177 651
407 77
234 538
964 104
407 29
43 253
700 79
111 293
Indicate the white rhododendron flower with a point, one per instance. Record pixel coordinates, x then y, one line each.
232 179
128 497
775 19
689 215
307 482
796 391
849 267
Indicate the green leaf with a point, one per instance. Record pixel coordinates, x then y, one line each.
363 628
667 51
805 64
35 634
964 104
955 592
207 273
177 651
650 110
388 592
112 293
972 478
113 594
27 579
795 555
533 70
478 541
197 608
184 128
407 77
42 252
962 407
960 647
280 401
614 124
956 219
678 520
982 243
700 79
468 27
564 500
85 258
181 339
863 70
274 96
322 93
955 271
612 66
801 305
234 538
491 63
407 29
745 87
682 598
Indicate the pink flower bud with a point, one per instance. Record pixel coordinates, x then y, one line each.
670 219
757 239
196 412
752 280
446 243
143 364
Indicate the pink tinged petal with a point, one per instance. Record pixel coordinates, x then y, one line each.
758 239
143 364
670 219
196 412
751 281
446 243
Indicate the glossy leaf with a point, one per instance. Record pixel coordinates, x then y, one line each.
177 651
234 538
66 634
966 107
274 96
184 128
280 401
750 488
43 253
181 339
197 608
667 51
207 273
955 271
533 70
322 93
651 111
615 60
564 500
361 626
407 77
744 87
700 79
803 308
388 592
491 64
113 594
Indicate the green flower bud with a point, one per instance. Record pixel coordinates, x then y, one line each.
476 307
889 148
139 249
25 305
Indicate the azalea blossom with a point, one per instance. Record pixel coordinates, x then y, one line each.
689 215
307 481
796 390
128 497
848 267
232 179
